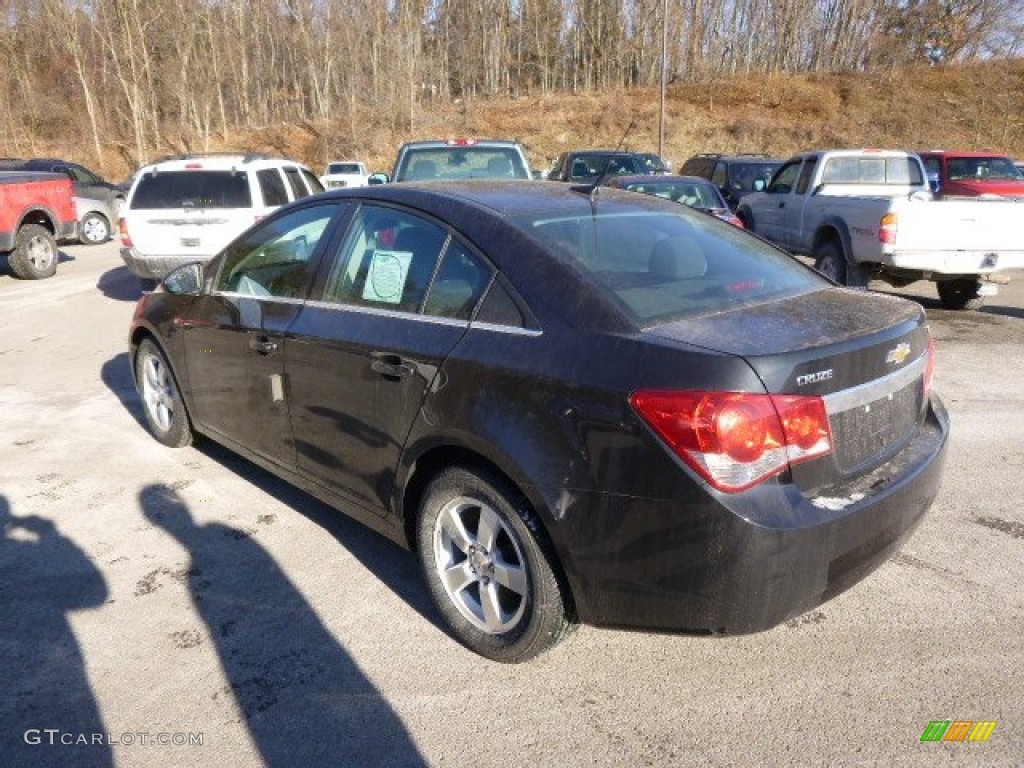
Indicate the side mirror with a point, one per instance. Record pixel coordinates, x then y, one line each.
185 280
759 185
378 178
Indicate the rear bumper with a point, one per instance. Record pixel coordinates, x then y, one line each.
155 267
745 563
955 262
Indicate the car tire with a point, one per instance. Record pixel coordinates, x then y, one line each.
485 568
162 403
960 294
35 253
95 229
830 261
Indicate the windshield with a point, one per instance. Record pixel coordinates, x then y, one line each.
591 166
659 266
343 168
192 189
461 162
983 169
743 175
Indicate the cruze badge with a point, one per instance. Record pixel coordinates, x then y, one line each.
812 378
898 355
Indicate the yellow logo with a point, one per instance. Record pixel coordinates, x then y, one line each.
899 354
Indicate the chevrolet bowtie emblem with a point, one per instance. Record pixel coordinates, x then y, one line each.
897 355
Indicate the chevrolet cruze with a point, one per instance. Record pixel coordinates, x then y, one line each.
573 405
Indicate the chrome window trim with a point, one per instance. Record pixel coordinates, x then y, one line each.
380 312
275 299
512 329
861 395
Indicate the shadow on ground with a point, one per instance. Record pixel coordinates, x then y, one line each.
47 702
120 284
303 697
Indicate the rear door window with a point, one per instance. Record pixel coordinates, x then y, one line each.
272 186
295 182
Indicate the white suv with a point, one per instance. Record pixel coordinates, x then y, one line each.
187 208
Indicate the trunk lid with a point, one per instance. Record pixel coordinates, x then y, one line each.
864 354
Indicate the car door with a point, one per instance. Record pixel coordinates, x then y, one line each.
791 217
771 207
234 339
389 306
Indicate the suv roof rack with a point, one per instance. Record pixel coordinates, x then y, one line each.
247 157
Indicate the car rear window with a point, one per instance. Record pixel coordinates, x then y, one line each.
343 168
660 266
192 189
872 170
425 164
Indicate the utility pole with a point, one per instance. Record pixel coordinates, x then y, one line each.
664 67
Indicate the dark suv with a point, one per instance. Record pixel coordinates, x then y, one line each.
734 175
588 165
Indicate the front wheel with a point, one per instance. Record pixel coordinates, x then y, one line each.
161 400
960 294
35 254
830 261
485 570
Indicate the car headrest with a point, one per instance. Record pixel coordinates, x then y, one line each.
677 258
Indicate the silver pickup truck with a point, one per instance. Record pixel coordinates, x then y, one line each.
863 214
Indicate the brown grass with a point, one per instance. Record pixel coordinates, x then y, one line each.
975 106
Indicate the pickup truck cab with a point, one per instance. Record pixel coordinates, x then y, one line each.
972 174
863 214
36 210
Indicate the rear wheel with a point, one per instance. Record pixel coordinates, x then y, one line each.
486 571
95 229
161 399
960 294
35 254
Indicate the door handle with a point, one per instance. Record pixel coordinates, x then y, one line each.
263 345
391 366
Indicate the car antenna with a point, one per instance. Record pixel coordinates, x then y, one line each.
607 166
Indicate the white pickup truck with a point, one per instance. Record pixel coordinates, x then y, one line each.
345 173
863 214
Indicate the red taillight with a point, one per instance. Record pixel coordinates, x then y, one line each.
122 228
461 142
735 440
736 221
887 229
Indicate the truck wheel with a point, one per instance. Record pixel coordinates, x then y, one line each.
830 261
95 229
960 294
35 254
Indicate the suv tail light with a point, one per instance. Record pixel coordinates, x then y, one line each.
122 229
735 440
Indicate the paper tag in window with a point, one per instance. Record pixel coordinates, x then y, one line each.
385 279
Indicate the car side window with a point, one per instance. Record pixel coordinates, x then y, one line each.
720 176
272 186
275 259
784 180
387 260
312 181
295 182
459 284
806 174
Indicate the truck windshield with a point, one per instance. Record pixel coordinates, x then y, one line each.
872 170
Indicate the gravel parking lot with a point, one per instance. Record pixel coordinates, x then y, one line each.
162 607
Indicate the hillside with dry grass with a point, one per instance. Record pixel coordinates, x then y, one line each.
975 106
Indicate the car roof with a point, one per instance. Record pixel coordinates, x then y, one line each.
463 143
218 161
957 153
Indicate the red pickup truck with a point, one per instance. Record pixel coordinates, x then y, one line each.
36 210
972 174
